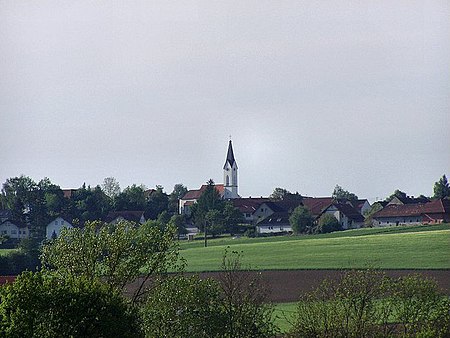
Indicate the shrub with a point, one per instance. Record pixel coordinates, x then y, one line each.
43 305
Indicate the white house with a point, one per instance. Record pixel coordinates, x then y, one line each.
54 228
14 229
136 216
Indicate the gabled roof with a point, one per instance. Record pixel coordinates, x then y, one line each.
358 204
129 215
351 212
230 156
417 209
195 194
18 224
316 205
276 219
248 205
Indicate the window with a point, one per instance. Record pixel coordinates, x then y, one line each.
56 222
13 232
62 222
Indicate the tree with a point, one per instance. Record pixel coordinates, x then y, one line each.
178 222
441 188
183 306
231 218
301 220
368 216
209 200
131 198
179 190
111 187
117 254
397 193
244 303
45 305
341 194
156 203
328 223
279 194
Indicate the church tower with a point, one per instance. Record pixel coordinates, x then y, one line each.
230 175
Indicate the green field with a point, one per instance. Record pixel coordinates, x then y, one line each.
283 315
418 247
4 252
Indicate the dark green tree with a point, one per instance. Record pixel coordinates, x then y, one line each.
179 190
301 220
209 200
441 188
178 222
45 305
131 198
342 194
232 217
328 223
157 203
279 194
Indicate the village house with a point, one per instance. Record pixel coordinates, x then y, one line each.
136 216
14 229
53 229
436 211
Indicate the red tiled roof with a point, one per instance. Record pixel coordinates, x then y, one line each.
195 194
248 205
316 205
417 209
349 211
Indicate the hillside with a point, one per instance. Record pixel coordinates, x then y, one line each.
419 247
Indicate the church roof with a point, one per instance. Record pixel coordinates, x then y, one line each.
230 156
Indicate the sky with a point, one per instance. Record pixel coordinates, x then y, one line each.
313 93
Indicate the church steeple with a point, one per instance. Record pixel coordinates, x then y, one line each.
230 174
230 156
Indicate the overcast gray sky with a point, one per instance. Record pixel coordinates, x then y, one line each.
314 93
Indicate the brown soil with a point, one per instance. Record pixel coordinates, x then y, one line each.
286 286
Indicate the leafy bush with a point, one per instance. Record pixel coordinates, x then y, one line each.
181 307
365 303
43 305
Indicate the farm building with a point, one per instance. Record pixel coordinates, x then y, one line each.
54 228
436 211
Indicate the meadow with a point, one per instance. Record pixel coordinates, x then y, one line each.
414 247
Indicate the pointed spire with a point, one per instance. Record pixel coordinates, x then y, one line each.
230 155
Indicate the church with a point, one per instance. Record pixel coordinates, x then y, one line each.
228 190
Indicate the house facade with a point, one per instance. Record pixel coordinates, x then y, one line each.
54 228
436 211
14 229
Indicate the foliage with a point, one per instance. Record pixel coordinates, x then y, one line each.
441 188
131 198
328 223
118 254
178 222
421 307
397 193
179 190
45 305
342 194
363 303
111 187
231 218
279 194
244 300
209 200
368 216
301 220
156 203
181 307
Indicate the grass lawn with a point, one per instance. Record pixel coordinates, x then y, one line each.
418 247
283 315
4 252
